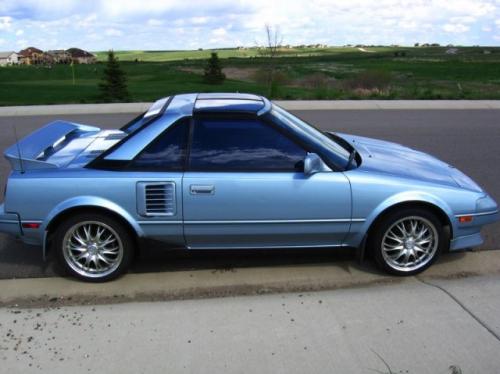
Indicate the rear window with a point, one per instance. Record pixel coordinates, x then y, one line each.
153 112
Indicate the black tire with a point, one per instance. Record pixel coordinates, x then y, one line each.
385 258
121 258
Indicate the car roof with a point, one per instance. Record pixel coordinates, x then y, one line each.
173 108
219 103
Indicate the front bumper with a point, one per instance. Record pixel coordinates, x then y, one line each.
468 235
9 222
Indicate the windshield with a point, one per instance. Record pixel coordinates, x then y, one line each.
321 142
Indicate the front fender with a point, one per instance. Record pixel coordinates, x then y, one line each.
359 233
91 201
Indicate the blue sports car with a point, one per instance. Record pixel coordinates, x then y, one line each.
233 171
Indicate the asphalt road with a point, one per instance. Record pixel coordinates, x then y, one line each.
468 139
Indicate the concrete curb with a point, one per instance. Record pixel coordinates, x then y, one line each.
390 104
68 109
218 283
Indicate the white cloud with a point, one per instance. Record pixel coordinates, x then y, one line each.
219 32
199 20
97 24
87 21
472 8
19 32
5 23
2 41
455 28
113 32
408 25
464 19
155 22
22 43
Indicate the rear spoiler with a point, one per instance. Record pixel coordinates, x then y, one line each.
28 153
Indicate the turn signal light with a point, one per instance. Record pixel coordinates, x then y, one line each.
31 225
465 219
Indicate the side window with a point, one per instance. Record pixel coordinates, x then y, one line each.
242 145
166 152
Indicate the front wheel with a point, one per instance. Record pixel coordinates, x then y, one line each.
93 247
408 241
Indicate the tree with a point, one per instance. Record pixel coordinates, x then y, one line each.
271 50
114 81
213 70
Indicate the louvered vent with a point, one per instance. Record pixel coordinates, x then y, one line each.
156 199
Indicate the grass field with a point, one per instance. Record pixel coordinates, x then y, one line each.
305 73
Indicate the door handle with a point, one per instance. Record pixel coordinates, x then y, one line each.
202 189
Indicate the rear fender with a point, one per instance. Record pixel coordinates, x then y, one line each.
88 202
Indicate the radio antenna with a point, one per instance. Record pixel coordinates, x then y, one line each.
18 150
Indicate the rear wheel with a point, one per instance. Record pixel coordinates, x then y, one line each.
94 247
408 241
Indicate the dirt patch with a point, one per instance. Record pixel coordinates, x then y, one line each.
241 74
198 71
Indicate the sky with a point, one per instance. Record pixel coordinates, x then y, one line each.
98 25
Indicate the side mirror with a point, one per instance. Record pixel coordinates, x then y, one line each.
314 164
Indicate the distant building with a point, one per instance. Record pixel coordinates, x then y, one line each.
35 56
79 56
58 56
31 56
9 58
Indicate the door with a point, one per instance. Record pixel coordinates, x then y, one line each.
245 188
157 173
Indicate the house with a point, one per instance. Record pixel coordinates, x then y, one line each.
58 56
31 56
9 58
47 59
79 56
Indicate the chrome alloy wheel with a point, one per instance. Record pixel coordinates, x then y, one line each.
92 249
410 243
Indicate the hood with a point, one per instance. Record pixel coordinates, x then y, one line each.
60 144
397 160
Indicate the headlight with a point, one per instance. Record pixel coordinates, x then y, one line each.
464 181
486 204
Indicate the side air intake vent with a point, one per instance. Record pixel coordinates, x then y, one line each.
156 198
